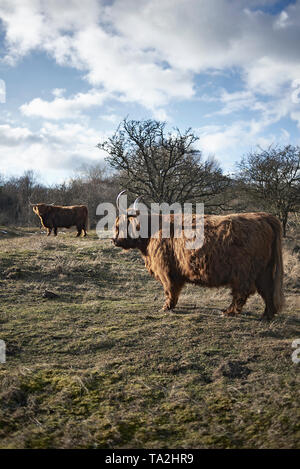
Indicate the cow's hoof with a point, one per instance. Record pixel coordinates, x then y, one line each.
230 313
266 317
167 309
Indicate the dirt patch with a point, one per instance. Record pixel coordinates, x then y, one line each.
232 369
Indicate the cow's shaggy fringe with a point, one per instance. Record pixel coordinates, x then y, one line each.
241 251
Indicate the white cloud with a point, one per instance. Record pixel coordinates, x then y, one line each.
263 110
122 68
198 35
58 92
150 51
229 142
35 24
108 59
63 108
232 102
53 150
296 117
10 136
111 118
217 139
267 75
282 21
24 26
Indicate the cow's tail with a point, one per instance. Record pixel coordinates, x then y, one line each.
277 265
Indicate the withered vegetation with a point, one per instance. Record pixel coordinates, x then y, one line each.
101 366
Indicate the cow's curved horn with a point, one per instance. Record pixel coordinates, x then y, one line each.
118 198
136 202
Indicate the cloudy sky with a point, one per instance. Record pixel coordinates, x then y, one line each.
71 71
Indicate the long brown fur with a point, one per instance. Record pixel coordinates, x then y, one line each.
241 251
57 216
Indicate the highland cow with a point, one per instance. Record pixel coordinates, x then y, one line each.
241 251
56 216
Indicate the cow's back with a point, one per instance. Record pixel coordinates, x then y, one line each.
234 246
67 216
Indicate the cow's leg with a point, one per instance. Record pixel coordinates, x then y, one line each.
55 231
236 306
238 301
84 230
49 231
231 310
264 285
79 229
172 289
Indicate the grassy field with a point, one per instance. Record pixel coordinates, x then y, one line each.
101 366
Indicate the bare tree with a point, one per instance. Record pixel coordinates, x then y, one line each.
90 186
272 179
162 166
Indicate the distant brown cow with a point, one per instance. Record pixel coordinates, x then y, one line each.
57 216
241 251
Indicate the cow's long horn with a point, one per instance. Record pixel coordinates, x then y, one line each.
118 198
136 202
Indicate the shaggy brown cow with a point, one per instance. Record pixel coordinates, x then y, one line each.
241 251
57 216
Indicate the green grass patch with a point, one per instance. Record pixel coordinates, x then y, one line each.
101 366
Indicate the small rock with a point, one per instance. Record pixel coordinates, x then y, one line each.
49 294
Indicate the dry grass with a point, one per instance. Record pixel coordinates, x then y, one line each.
101 366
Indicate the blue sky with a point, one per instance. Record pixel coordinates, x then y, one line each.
230 69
